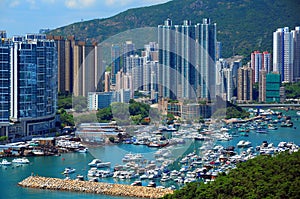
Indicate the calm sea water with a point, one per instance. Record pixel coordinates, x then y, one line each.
53 166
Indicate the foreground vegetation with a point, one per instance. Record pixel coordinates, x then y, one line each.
261 177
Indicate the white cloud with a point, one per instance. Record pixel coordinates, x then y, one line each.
14 4
32 4
75 4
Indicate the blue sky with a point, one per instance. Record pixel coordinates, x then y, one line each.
19 17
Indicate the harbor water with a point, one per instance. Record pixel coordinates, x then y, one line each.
53 166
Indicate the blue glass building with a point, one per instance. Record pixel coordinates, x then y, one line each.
28 86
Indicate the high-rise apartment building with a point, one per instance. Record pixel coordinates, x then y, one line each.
260 61
115 62
296 38
286 53
28 86
5 82
245 84
187 55
127 51
65 49
88 71
262 86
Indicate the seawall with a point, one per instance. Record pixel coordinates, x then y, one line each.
93 187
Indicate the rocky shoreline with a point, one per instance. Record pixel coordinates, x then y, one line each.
93 187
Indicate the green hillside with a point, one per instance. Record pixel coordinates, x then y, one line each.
243 26
261 177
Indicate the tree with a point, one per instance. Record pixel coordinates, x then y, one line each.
66 119
104 115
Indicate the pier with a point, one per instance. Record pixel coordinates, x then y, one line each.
93 187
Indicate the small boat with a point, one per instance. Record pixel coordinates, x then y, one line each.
103 164
94 162
82 150
298 113
21 160
69 170
243 143
38 152
137 183
4 162
80 177
151 184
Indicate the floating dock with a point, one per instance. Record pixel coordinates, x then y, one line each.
39 182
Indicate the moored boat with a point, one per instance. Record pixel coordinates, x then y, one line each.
21 160
243 143
4 162
103 164
69 170
94 162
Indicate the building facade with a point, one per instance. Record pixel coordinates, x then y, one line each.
187 55
273 83
245 84
286 56
260 61
28 86
99 100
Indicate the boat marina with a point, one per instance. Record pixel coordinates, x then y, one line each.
192 154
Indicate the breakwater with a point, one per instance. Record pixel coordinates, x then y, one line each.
93 187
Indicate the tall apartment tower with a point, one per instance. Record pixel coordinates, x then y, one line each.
206 36
127 51
283 54
187 55
262 86
296 40
245 84
87 66
65 49
5 83
115 62
260 61
167 70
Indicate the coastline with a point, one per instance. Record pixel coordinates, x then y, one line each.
39 182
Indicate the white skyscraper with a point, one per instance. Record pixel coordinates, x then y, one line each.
283 53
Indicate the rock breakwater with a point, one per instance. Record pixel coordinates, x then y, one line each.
93 187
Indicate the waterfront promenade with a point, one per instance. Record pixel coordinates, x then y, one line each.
93 187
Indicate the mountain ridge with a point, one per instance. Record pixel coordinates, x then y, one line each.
242 26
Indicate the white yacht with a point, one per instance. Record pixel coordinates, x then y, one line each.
94 162
21 160
69 170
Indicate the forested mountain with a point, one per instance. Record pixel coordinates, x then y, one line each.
243 26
